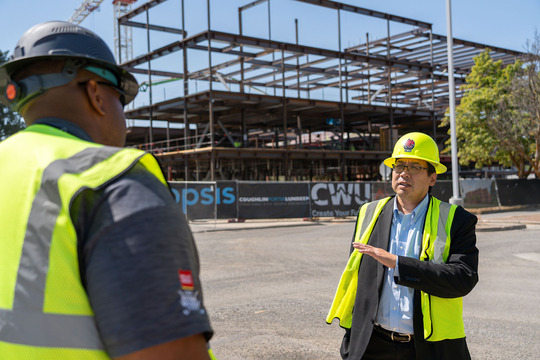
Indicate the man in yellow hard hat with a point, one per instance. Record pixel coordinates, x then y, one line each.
404 299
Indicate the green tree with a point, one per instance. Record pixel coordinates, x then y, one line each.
10 122
490 126
525 90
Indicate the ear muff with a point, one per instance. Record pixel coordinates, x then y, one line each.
19 94
13 92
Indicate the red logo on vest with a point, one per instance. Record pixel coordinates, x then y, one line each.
186 279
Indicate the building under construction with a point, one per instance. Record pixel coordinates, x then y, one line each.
263 109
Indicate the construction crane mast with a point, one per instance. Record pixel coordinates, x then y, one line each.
123 48
123 42
84 10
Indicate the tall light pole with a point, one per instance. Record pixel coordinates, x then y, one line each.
455 199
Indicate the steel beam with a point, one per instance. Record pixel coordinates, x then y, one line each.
153 27
150 4
358 10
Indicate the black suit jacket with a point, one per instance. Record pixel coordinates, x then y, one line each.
456 278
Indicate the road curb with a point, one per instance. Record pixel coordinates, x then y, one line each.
223 227
500 228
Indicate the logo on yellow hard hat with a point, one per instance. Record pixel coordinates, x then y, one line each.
408 145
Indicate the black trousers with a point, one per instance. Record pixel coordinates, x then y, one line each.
380 348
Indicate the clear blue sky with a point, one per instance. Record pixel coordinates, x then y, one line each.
501 23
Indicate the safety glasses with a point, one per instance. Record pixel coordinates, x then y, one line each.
119 90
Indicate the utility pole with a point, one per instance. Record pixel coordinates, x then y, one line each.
455 199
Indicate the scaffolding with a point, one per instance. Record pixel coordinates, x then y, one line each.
123 35
274 110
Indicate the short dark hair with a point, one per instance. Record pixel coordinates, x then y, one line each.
430 168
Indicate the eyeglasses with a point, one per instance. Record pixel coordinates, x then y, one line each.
119 90
412 168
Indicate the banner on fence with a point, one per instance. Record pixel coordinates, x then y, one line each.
206 200
479 193
332 199
518 191
268 200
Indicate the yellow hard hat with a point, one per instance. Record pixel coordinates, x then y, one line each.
419 146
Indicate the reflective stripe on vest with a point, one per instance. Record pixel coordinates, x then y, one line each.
442 317
27 327
343 303
35 324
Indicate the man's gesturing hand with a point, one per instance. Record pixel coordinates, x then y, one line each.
382 256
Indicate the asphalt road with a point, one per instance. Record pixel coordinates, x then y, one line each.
268 292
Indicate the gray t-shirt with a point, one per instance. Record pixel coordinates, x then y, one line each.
138 263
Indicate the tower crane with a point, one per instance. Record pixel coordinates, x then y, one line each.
123 42
84 10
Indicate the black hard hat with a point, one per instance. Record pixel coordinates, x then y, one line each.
64 41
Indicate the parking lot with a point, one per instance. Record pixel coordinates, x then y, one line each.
268 289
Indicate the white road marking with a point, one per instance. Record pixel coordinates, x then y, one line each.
529 256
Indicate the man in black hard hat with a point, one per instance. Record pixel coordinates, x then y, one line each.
96 259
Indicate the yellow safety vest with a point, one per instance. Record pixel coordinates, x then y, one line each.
44 310
442 317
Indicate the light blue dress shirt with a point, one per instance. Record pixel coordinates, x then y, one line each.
395 311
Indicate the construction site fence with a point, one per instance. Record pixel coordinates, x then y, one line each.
237 199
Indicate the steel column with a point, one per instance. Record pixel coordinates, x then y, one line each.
149 80
211 101
185 92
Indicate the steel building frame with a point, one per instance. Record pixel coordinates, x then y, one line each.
261 109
